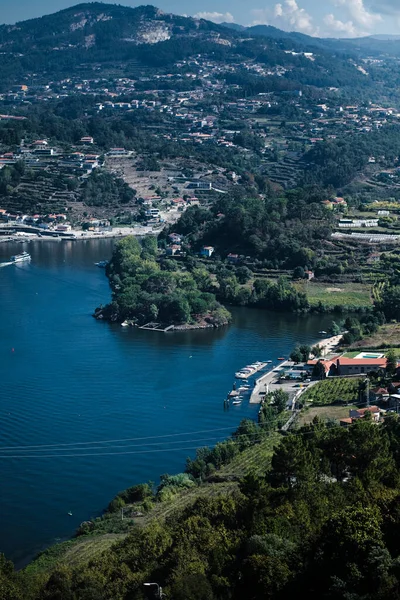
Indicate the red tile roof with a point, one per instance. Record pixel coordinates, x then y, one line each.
362 361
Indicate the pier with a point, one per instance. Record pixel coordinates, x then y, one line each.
262 383
255 370
157 327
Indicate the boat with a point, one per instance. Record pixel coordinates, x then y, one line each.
20 257
69 513
281 358
268 361
238 401
102 264
322 332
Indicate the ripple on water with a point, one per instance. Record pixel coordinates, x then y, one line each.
73 380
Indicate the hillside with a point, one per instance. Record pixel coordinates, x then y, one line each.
117 37
316 515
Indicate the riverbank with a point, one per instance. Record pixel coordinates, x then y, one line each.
263 383
79 235
127 384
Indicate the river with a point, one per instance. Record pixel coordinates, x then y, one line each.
68 381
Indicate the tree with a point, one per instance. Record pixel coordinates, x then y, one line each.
319 371
280 400
243 274
149 245
299 273
305 352
335 329
296 355
391 362
389 303
316 351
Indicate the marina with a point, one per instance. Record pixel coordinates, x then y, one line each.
250 370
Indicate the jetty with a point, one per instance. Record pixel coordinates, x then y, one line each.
261 385
250 370
157 327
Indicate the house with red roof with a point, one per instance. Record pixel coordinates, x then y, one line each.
359 366
359 413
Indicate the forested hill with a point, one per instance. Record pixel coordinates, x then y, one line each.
319 520
113 36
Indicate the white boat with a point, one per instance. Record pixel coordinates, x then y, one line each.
242 375
322 332
102 264
237 401
20 257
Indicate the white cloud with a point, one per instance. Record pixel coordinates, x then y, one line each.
359 13
286 15
216 17
337 27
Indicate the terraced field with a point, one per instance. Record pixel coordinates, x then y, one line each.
225 481
333 390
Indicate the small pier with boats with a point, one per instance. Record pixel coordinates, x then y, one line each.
242 388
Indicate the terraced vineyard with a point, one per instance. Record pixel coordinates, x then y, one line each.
81 550
331 391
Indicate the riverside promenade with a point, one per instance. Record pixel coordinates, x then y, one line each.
263 383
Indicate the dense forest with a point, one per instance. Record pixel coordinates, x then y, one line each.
145 290
321 521
337 162
284 229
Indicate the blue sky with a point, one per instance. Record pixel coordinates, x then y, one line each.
335 18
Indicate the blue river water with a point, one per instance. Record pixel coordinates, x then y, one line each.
88 408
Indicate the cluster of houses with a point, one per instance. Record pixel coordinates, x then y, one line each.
388 397
41 155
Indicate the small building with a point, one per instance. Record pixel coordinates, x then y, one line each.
117 152
87 139
207 251
173 249
359 413
40 144
175 238
309 275
233 258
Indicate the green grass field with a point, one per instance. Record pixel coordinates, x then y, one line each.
355 353
325 413
356 295
387 335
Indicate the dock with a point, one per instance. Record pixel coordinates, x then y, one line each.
259 367
157 327
262 383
